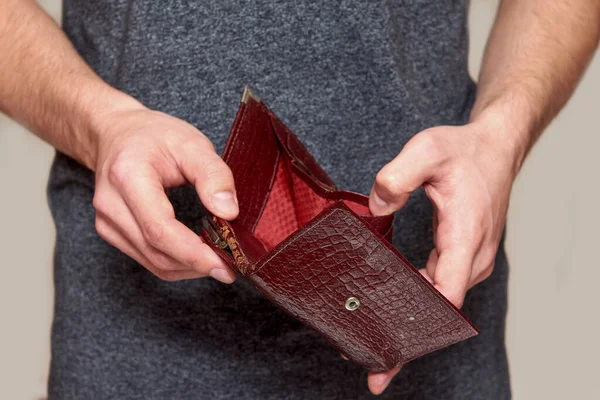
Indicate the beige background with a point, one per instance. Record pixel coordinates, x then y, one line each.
553 325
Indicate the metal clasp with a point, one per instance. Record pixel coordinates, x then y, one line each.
249 94
210 227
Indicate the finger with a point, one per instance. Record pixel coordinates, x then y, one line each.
112 235
483 266
426 275
379 381
477 279
452 274
459 238
435 224
432 263
213 181
403 175
145 197
121 219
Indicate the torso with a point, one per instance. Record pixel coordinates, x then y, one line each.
355 80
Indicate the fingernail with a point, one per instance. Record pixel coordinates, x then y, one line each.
221 275
224 202
378 205
379 201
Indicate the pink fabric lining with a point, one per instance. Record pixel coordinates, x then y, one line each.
292 203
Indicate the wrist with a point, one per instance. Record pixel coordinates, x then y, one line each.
508 127
98 112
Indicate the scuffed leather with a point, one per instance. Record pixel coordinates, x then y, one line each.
337 255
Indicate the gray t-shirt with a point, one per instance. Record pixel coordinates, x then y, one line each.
354 80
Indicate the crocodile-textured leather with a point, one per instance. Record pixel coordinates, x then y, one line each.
337 256
309 247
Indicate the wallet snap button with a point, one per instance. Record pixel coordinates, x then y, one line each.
352 304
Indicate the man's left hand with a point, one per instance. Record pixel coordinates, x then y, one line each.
467 173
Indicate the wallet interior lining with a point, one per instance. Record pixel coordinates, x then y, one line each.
291 204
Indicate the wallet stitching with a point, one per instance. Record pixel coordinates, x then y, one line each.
235 136
268 194
294 157
229 148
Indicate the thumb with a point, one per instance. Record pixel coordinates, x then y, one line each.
399 178
214 183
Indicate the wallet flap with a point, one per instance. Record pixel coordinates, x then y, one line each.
299 154
342 278
253 149
252 153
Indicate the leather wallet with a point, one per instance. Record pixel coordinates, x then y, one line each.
318 253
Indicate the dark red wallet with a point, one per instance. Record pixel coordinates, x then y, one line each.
319 254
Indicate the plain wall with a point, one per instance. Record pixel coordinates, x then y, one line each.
553 223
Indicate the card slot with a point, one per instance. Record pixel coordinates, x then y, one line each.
294 200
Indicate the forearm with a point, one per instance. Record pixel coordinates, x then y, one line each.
535 55
46 86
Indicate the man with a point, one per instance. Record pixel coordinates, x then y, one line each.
122 93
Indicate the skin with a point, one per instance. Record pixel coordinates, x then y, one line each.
536 53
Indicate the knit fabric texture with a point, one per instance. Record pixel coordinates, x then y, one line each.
355 80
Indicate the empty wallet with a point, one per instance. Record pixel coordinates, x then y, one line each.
318 253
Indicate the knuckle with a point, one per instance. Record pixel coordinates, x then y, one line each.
101 227
213 168
432 144
168 276
120 170
488 252
198 265
428 140
489 268
470 231
453 291
458 301
100 202
154 233
196 146
214 171
161 261
488 272
204 143
195 264
388 181
456 298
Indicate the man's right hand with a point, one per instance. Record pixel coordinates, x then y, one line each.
135 152
141 152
